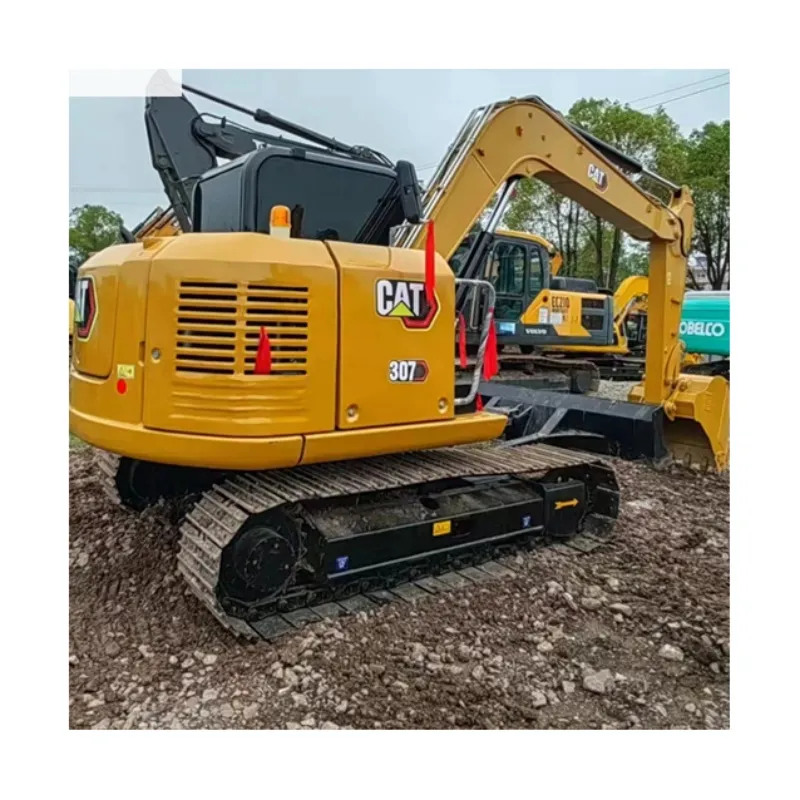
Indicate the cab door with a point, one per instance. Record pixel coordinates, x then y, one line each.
506 268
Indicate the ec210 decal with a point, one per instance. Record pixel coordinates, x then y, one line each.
407 371
406 301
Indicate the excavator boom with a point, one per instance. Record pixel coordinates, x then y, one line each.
504 142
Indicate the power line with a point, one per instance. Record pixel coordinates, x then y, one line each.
690 94
131 190
678 88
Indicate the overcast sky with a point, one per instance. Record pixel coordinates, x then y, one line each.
410 114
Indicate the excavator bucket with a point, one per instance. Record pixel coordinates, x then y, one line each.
696 421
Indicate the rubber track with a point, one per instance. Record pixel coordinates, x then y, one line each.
219 513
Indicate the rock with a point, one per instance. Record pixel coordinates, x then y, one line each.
538 699
568 687
702 650
209 695
646 504
103 725
715 668
187 662
173 660
112 649
544 647
292 726
251 711
73 660
342 707
591 603
569 600
226 709
671 653
403 687
418 651
210 660
661 710
554 588
192 703
478 673
300 700
83 559
612 584
690 707
309 722
145 650
598 682
463 653
329 726
290 677
621 608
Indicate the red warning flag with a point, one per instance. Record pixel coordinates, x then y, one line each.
462 341
263 365
490 367
430 264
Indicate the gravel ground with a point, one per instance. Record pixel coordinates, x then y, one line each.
615 390
634 635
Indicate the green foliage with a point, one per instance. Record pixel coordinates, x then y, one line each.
708 174
595 249
91 229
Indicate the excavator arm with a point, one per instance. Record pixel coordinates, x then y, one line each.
185 144
504 142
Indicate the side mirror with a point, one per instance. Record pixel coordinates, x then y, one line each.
409 191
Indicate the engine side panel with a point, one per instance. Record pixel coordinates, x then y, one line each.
210 295
395 352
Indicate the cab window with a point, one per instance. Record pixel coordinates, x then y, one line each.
536 279
506 268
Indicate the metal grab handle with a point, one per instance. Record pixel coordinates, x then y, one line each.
488 321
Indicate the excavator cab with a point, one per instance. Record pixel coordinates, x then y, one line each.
239 196
534 307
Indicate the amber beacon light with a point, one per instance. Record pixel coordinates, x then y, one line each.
280 222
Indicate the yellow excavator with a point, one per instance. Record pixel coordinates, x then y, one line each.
547 316
289 360
560 323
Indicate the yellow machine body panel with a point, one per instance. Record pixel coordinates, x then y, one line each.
396 355
562 310
205 325
96 296
181 331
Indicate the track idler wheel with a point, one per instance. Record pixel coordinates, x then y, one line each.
584 379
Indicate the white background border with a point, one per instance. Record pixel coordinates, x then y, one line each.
45 758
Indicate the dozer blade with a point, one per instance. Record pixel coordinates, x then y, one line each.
595 424
266 552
